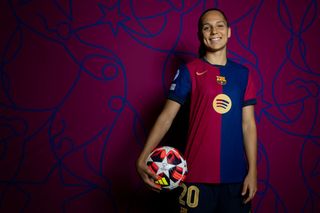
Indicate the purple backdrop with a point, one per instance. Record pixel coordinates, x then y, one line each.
83 81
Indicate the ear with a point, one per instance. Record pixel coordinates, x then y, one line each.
229 32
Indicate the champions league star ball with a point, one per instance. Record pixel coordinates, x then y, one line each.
169 165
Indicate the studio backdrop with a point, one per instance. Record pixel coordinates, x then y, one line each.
82 82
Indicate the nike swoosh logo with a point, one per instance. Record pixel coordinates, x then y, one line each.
201 73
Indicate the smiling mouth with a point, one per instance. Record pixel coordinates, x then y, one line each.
215 39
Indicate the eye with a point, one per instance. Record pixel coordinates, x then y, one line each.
220 25
205 28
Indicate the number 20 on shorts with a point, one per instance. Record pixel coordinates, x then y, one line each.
189 196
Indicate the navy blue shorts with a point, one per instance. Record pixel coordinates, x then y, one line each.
212 198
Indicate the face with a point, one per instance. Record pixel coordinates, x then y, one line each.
215 31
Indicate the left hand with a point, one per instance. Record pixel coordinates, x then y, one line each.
249 187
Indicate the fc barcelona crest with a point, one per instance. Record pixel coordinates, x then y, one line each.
221 80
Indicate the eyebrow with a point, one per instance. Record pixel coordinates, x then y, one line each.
217 22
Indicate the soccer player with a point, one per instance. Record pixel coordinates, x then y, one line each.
221 149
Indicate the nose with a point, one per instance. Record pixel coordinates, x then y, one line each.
213 30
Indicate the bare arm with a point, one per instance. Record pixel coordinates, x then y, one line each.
158 131
250 144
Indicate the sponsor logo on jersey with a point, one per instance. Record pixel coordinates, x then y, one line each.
201 73
222 103
221 80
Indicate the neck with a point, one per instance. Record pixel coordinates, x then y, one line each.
217 58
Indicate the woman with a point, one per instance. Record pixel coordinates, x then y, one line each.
222 141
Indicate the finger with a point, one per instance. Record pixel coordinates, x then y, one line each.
247 199
151 174
250 196
253 194
150 178
244 189
156 189
151 184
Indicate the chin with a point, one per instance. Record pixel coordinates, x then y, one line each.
216 49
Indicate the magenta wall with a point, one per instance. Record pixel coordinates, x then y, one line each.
83 81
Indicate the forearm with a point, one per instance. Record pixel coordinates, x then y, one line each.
250 143
160 128
157 132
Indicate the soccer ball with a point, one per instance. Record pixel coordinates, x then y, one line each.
169 165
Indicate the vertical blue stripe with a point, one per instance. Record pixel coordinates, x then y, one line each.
233 162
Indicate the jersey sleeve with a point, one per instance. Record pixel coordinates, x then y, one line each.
250 93
181 86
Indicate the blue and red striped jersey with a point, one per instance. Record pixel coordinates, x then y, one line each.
214 151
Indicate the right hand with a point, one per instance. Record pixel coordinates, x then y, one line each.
147 175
